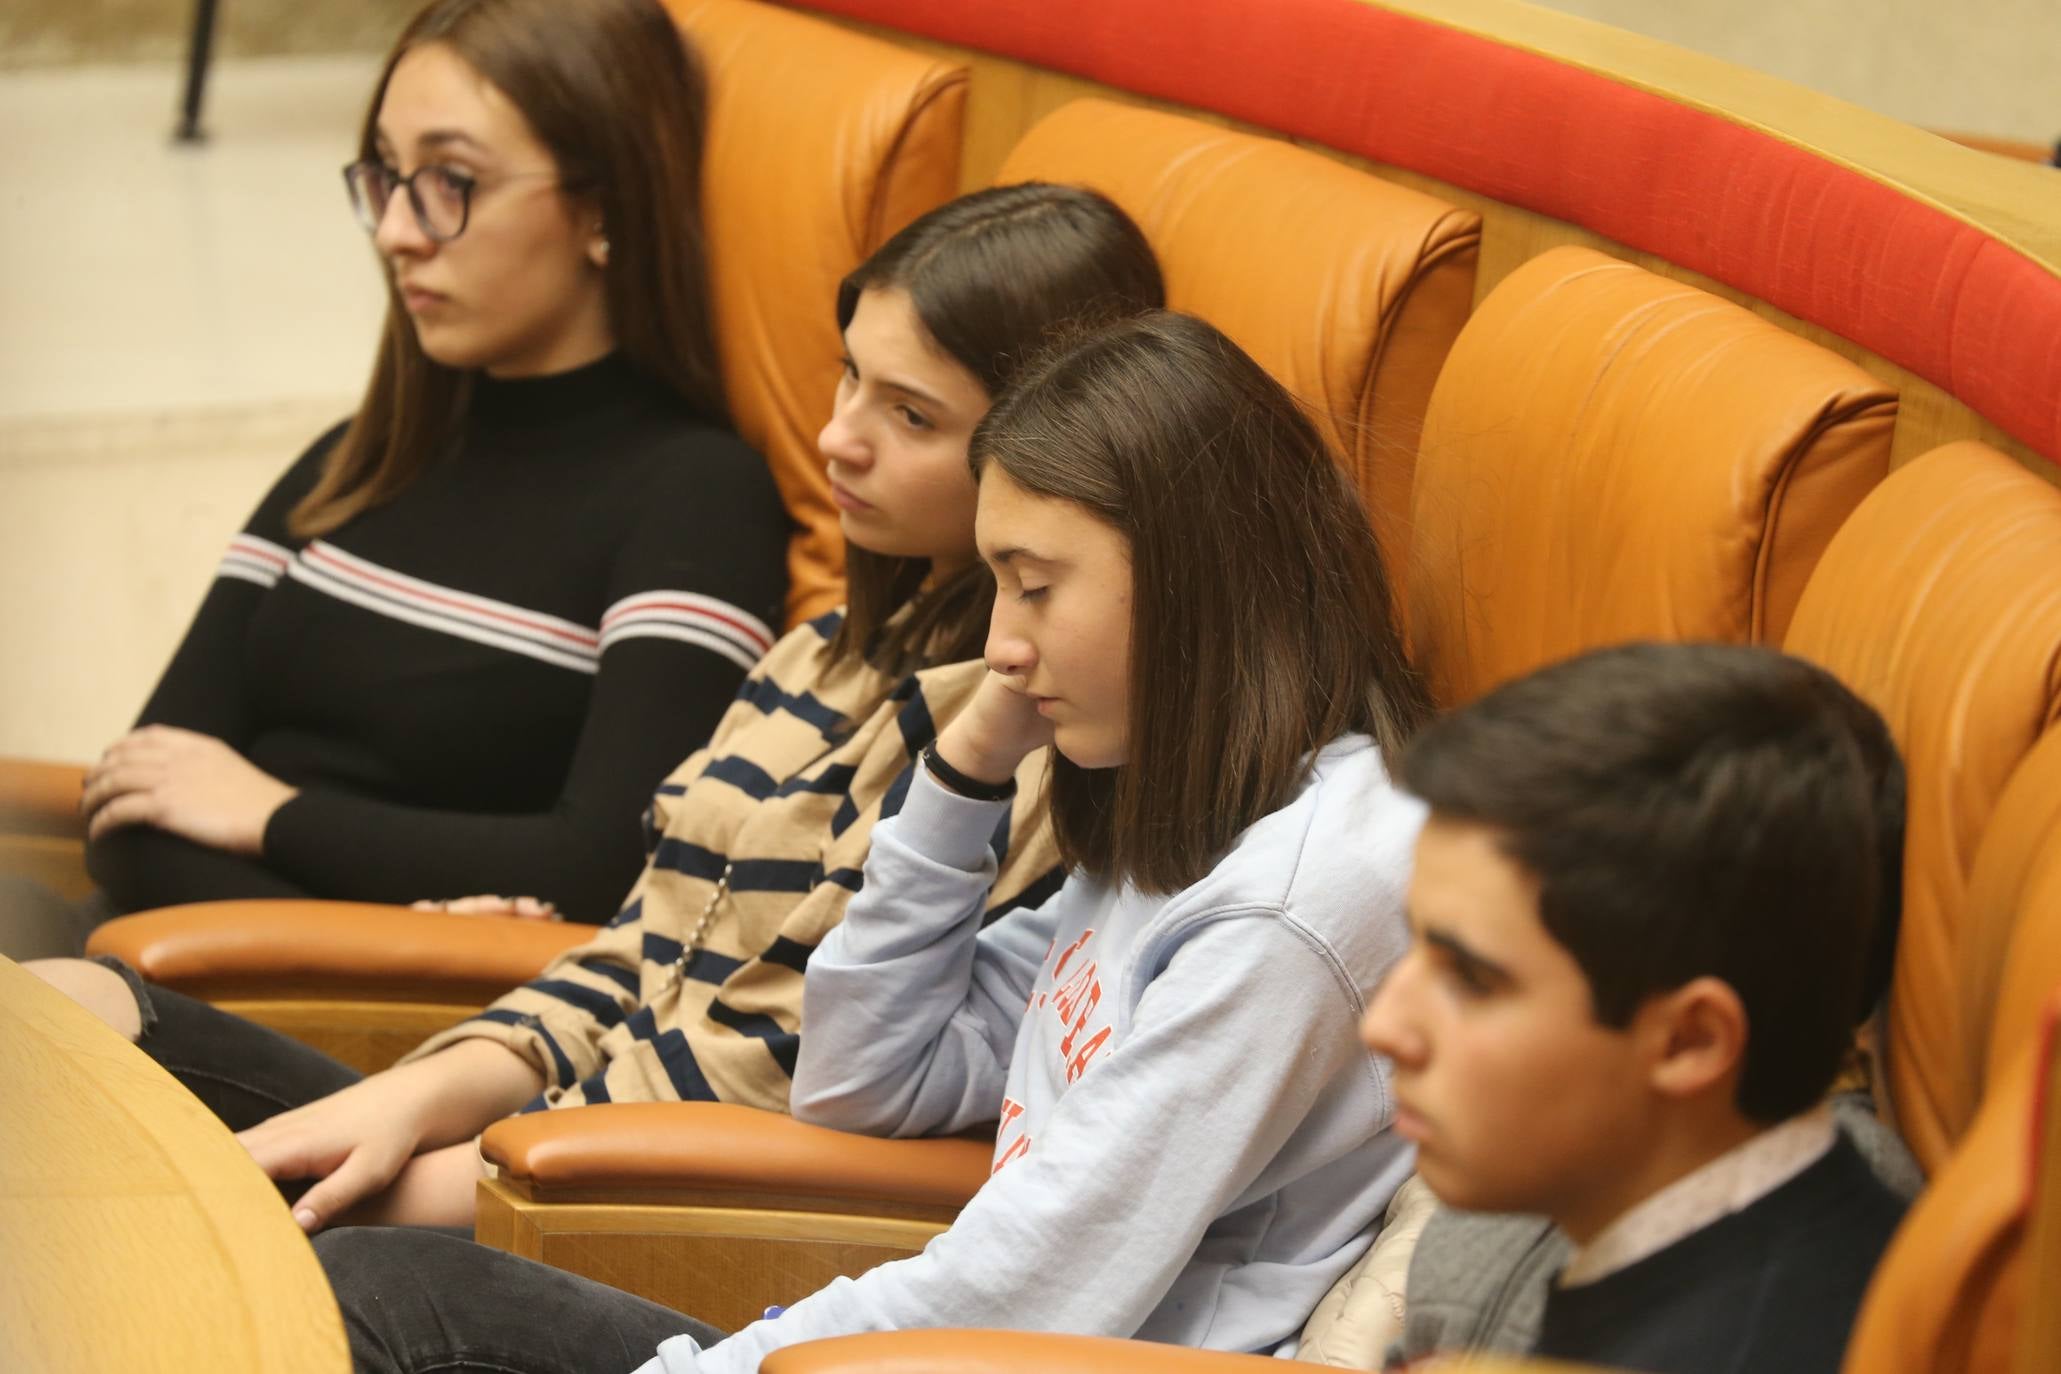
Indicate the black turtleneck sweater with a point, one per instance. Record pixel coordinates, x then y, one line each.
477 685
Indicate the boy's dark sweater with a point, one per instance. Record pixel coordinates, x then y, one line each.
1773 1287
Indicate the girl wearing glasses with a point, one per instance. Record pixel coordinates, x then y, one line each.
467 632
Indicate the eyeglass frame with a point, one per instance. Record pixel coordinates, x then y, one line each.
466 182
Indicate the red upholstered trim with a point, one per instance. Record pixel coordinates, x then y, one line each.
1819 240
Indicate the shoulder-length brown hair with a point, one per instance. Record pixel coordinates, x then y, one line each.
992 276
1262 625
611 88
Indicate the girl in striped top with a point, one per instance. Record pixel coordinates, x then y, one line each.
693 991
1191 1145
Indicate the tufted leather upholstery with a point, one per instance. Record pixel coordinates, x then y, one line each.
2011 950
1610 455
1940 603
1351 302
821 143
1957 1289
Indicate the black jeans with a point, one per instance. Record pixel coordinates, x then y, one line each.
243 1072
419 1302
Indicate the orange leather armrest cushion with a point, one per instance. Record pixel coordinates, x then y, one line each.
1034 1352
717 1146
340 946
38 798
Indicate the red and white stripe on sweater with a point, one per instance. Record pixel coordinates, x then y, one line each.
689 617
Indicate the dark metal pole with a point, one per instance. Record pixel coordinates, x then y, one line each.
196 71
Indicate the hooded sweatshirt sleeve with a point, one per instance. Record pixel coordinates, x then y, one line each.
1242 1038
912 1009
1246 1033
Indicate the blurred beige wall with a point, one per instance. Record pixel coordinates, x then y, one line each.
176 323
1979 66
35 33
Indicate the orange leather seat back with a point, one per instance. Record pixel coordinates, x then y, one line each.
2039 1338
2011 944
822 142
1348 289
1611 455
1940 603
1968 1284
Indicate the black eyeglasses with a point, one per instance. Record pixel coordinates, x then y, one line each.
440 196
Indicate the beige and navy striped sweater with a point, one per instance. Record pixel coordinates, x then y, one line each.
758 841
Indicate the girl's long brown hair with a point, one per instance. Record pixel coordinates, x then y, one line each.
992 276
610 87
1262 624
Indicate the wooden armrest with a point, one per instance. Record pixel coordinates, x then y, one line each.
702 1149
373 953
42 835
38 798
1034 1352
715 1209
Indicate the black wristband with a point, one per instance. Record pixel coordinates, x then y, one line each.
971 788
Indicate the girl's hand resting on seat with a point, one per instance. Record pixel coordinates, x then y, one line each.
515 908
187 783
357 1141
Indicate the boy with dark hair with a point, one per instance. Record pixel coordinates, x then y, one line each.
1646 907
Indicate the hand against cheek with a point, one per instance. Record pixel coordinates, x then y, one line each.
190 784
998 729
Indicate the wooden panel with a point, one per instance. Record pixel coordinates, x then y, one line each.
369 1036
42 837
2018 150
726 1281
138 1234
723 1265
38 797
59 864
1006 97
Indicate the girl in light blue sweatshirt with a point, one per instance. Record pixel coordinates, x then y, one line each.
1190 607
1192 1147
